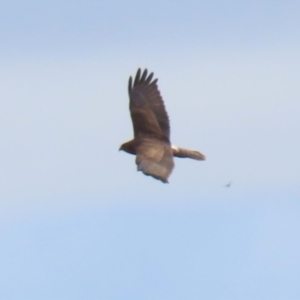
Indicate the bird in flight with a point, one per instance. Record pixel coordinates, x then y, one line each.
228 185
151 143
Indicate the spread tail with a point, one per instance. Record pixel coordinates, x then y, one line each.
184 153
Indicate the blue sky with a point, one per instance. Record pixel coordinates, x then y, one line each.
77 220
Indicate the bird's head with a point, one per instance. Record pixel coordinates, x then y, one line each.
121 148
128 147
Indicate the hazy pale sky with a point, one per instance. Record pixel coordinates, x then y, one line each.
78 221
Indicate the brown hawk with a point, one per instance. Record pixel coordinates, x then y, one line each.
151 126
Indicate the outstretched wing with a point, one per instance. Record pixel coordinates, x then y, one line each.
148 113
154 158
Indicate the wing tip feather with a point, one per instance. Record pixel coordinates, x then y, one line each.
137 76
142 77
130 84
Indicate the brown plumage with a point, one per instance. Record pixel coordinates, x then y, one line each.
151 143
